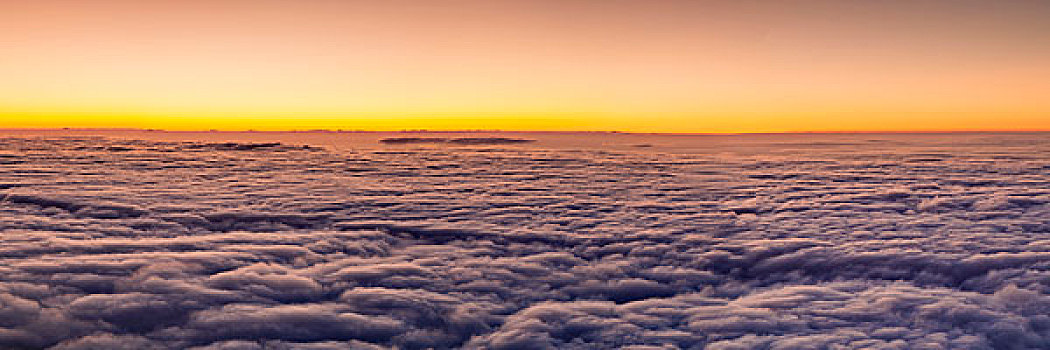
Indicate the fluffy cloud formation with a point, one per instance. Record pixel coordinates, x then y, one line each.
115 244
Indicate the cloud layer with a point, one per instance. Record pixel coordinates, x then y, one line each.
112 244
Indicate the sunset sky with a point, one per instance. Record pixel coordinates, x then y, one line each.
645 66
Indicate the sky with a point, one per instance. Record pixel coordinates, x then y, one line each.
642 66
786 242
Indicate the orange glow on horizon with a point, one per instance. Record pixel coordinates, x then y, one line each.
667 66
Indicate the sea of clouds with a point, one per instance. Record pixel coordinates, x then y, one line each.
117 244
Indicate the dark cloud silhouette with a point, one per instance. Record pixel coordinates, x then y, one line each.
119 244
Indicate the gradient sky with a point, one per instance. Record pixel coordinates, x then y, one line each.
651 66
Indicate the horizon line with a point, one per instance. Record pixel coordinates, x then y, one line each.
349 131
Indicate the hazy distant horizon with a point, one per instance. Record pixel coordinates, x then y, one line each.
976 131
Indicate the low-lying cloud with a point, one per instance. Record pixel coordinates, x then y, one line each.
111 244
